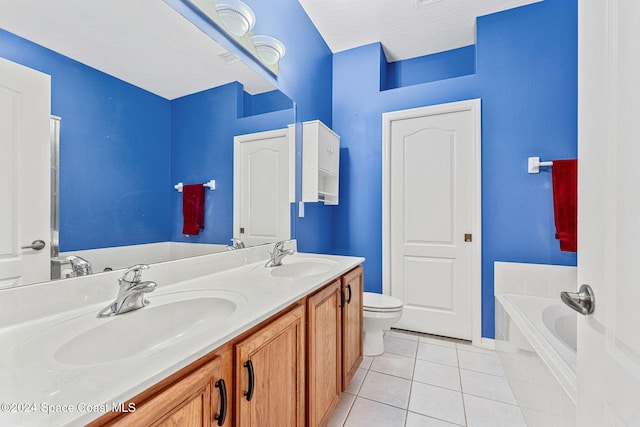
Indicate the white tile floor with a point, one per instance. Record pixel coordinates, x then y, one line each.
426 381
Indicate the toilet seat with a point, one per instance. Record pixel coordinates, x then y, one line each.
378 303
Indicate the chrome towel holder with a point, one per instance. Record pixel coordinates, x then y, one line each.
211 184
535 164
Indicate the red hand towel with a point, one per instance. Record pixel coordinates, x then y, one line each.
193 209
565 203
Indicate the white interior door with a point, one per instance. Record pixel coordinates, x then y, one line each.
433 199
609 212
24 174
261 208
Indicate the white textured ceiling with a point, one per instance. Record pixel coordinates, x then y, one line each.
150 45
143 42
406 28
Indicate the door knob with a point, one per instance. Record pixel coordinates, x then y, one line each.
37 245
583 301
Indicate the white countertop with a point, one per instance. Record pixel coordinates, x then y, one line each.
33 381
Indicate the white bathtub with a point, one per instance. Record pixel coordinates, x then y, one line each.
536 343
119 257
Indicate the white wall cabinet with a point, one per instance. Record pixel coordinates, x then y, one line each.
320 163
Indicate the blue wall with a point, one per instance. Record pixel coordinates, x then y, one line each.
526 76
430 68
305 75
122 149
114 150
202 129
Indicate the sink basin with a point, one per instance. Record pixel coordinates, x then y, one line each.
169 319
302 268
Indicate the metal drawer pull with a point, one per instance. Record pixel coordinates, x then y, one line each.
249 392
349 297
583 301
223 402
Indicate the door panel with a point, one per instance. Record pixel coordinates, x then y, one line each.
608 211
432 198
24 173
261 209
428 186
439 270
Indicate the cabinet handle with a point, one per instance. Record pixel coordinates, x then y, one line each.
223 402
249 392
349 298
341 298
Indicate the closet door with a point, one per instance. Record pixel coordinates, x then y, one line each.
433 203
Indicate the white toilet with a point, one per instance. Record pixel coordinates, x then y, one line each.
380 313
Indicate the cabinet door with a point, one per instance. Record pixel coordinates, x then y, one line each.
324 352
328 151
187 402
351 324
270 369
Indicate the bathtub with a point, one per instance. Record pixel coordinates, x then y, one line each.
536 343
119 257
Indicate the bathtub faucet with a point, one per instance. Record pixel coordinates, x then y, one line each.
130 293
235 244
79 266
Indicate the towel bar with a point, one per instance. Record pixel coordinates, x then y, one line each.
535 164
211 184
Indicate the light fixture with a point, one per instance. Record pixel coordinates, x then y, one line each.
237 17
270 49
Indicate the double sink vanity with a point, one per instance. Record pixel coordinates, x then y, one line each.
223 341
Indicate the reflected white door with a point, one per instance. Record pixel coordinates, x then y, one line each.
433 215
24 174
609 212
261 210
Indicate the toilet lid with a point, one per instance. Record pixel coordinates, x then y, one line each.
378 302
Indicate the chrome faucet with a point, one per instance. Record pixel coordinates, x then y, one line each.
131 292
278 253
235 244
79 266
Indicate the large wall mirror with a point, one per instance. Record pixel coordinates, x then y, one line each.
145 101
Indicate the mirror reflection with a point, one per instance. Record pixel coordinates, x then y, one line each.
237 19
145 101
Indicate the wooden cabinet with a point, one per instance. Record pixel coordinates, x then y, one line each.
189 401
320 163
288 371
270 373
324 350
351 324
198 395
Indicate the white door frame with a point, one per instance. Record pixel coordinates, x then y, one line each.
472 105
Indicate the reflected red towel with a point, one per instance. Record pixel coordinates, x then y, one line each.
193 209
565 203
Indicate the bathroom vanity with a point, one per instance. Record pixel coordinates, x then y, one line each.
228 342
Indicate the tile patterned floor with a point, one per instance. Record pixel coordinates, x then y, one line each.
422 380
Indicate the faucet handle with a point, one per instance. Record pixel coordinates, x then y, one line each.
135 271
236 243
79 265
279 246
